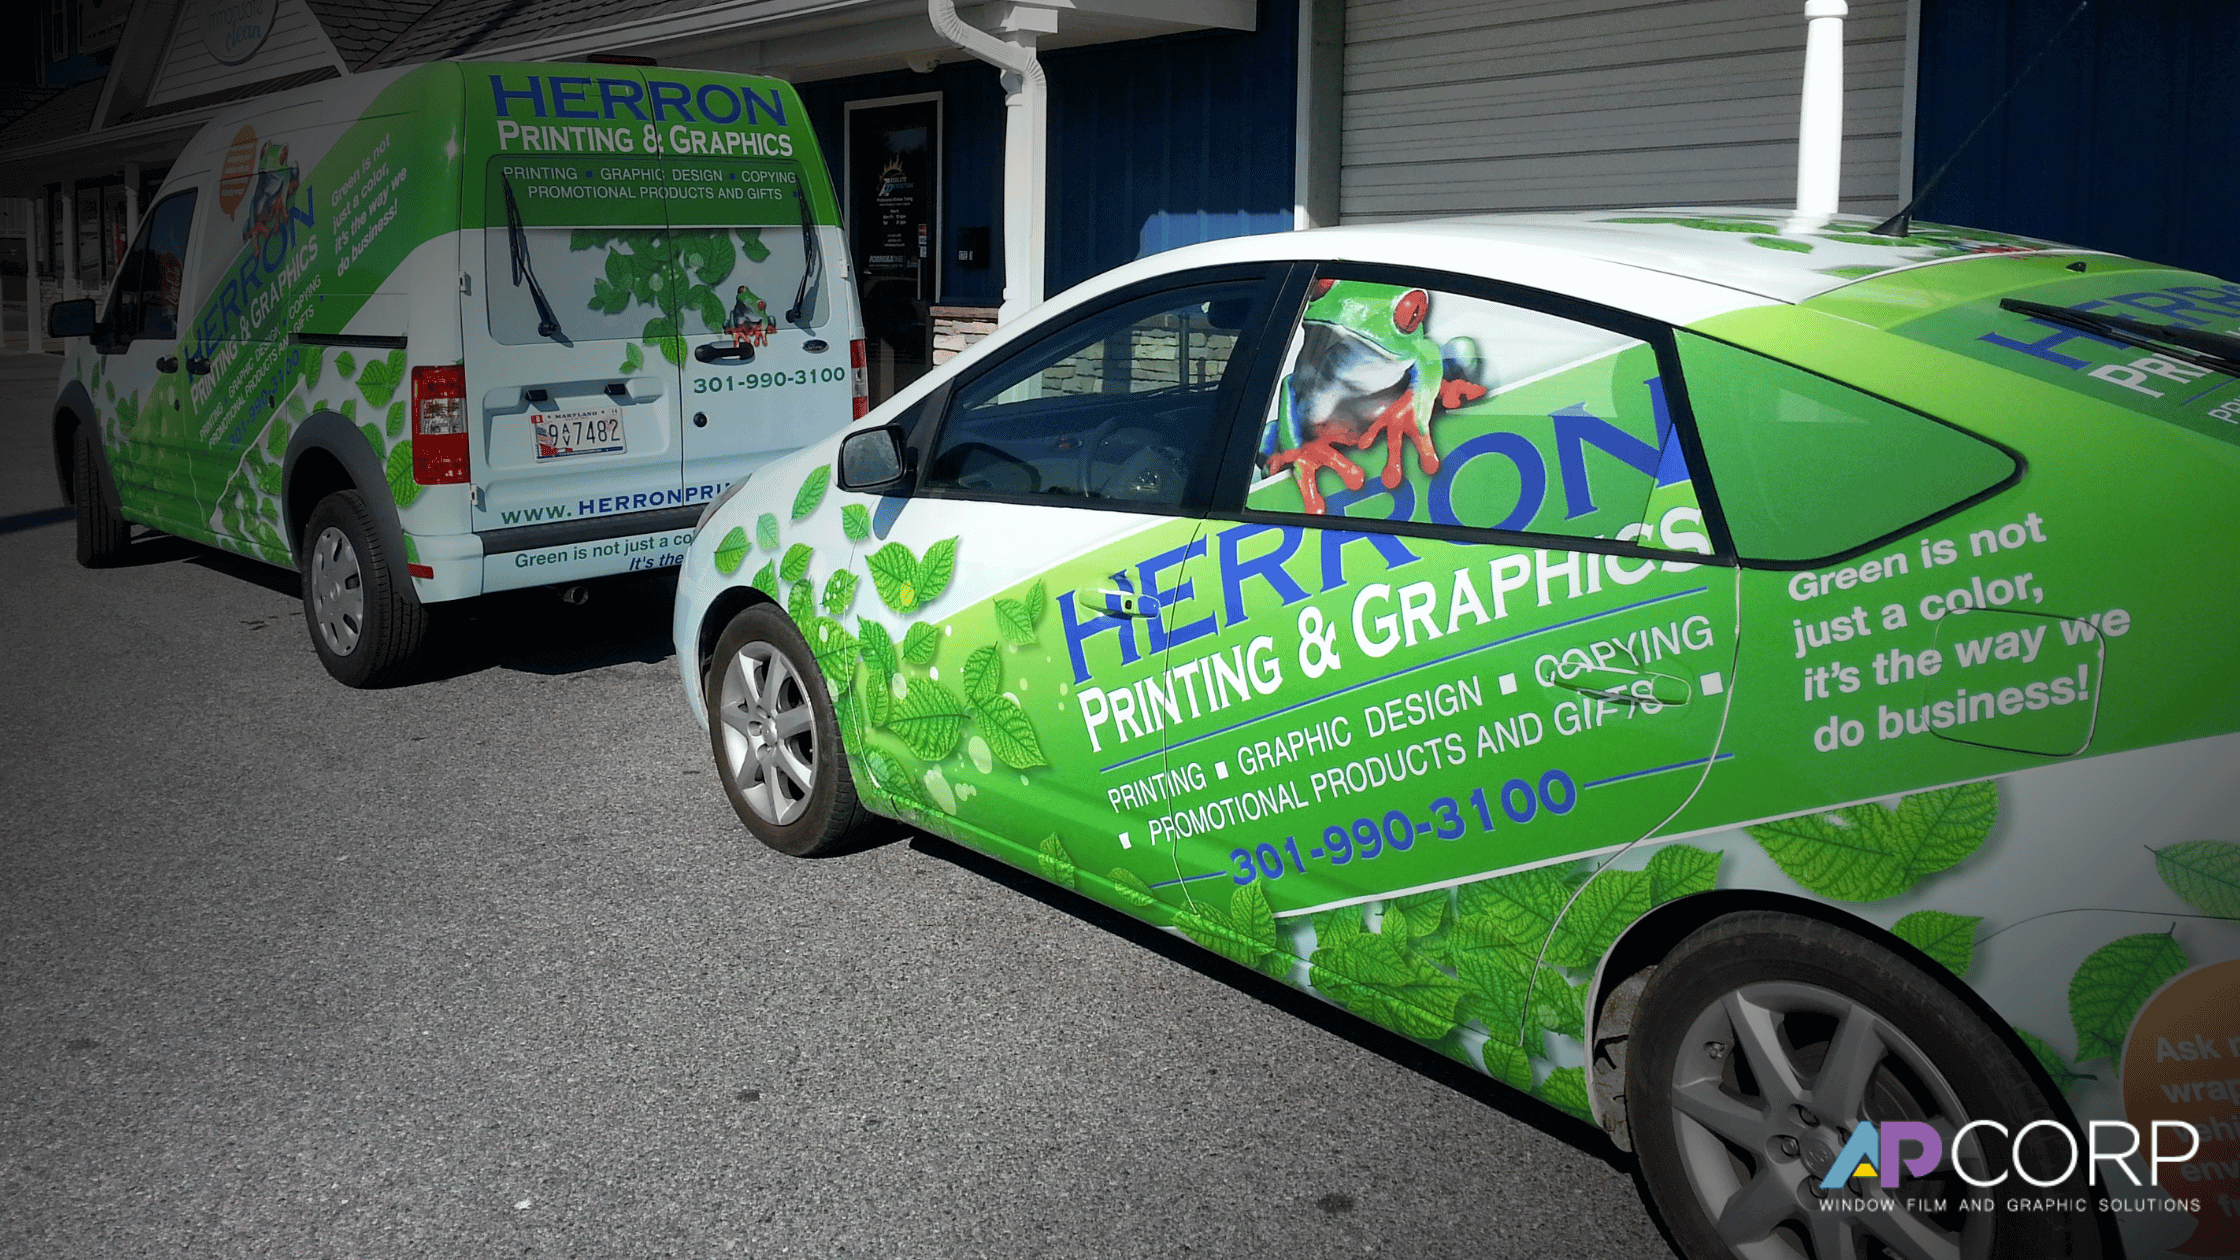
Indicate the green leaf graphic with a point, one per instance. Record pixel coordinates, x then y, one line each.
928 719
1332 925
766 531
2112 984
934 572
1009 732
396 420
632 359
1679 870
766 580
812 491
1133 891
894 574
1038 603
1517 909
379 379
878 647
346 364
2205 873
1497 985
839 592
2064 1078
855 522
802 603
1868 853
1948 938
1418 915
1559 1005
1057 864
795 566
1606 905
1508 1065
402 487
1783 243
1373 977
313 363
731 552
919 642
888 776
1566 1090
835 650
1013 625
1238 941
983 674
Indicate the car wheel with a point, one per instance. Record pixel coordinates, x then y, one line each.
103 533
367 631
1761 1043
776 739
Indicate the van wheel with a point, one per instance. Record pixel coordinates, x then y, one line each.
1760 1045
776 739
103 533
368 633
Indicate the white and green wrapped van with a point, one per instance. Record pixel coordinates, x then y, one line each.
461 328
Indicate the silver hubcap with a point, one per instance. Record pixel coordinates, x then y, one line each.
338 591
769 733
1773 1079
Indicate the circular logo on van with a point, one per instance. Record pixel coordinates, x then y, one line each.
233 30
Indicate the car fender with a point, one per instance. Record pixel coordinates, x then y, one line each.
335 436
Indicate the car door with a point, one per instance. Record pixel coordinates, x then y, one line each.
1059 480
144 394
1470 621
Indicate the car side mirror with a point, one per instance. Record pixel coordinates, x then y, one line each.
71 319
874 459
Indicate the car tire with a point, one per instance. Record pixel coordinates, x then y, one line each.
103 533
1736 1115
776 739
367 631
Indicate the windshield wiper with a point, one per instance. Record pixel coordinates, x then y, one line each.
810 258
517 238
2218 352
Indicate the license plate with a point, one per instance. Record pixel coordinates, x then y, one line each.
578 432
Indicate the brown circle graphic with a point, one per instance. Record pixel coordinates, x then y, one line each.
2182 1062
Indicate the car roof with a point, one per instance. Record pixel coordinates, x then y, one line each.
1765 254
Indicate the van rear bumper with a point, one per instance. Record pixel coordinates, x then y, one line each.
590 529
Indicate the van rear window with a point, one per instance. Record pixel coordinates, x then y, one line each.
652 248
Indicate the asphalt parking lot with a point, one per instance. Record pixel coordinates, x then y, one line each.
485 966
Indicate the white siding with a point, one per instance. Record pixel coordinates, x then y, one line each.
296 44
1466 106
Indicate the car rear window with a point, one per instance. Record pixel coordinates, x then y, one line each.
1808 469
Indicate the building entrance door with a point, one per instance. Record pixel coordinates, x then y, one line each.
894 203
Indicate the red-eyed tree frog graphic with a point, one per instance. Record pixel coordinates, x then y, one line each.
750 321
1367 368
275 186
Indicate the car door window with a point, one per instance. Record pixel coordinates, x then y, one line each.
1415 403
1121 408
146 301
1809 470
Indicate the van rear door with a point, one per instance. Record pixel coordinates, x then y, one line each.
763 326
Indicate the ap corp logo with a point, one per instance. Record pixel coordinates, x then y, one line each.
1882 1152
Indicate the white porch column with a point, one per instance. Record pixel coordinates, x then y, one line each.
1820 119
35 317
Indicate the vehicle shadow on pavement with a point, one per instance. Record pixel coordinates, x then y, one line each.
1520 1107
607 621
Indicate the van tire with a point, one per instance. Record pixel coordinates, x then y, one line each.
103 533
367 631
1732 1148
771 723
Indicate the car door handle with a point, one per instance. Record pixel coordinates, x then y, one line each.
1117 603
197 366
167 363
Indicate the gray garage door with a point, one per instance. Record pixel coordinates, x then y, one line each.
1453 107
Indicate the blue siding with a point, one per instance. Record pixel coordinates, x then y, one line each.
1163 142
971 159
2122 140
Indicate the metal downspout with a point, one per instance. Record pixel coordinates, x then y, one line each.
1026 103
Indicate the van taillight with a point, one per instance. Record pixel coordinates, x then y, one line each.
439 425
861 378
